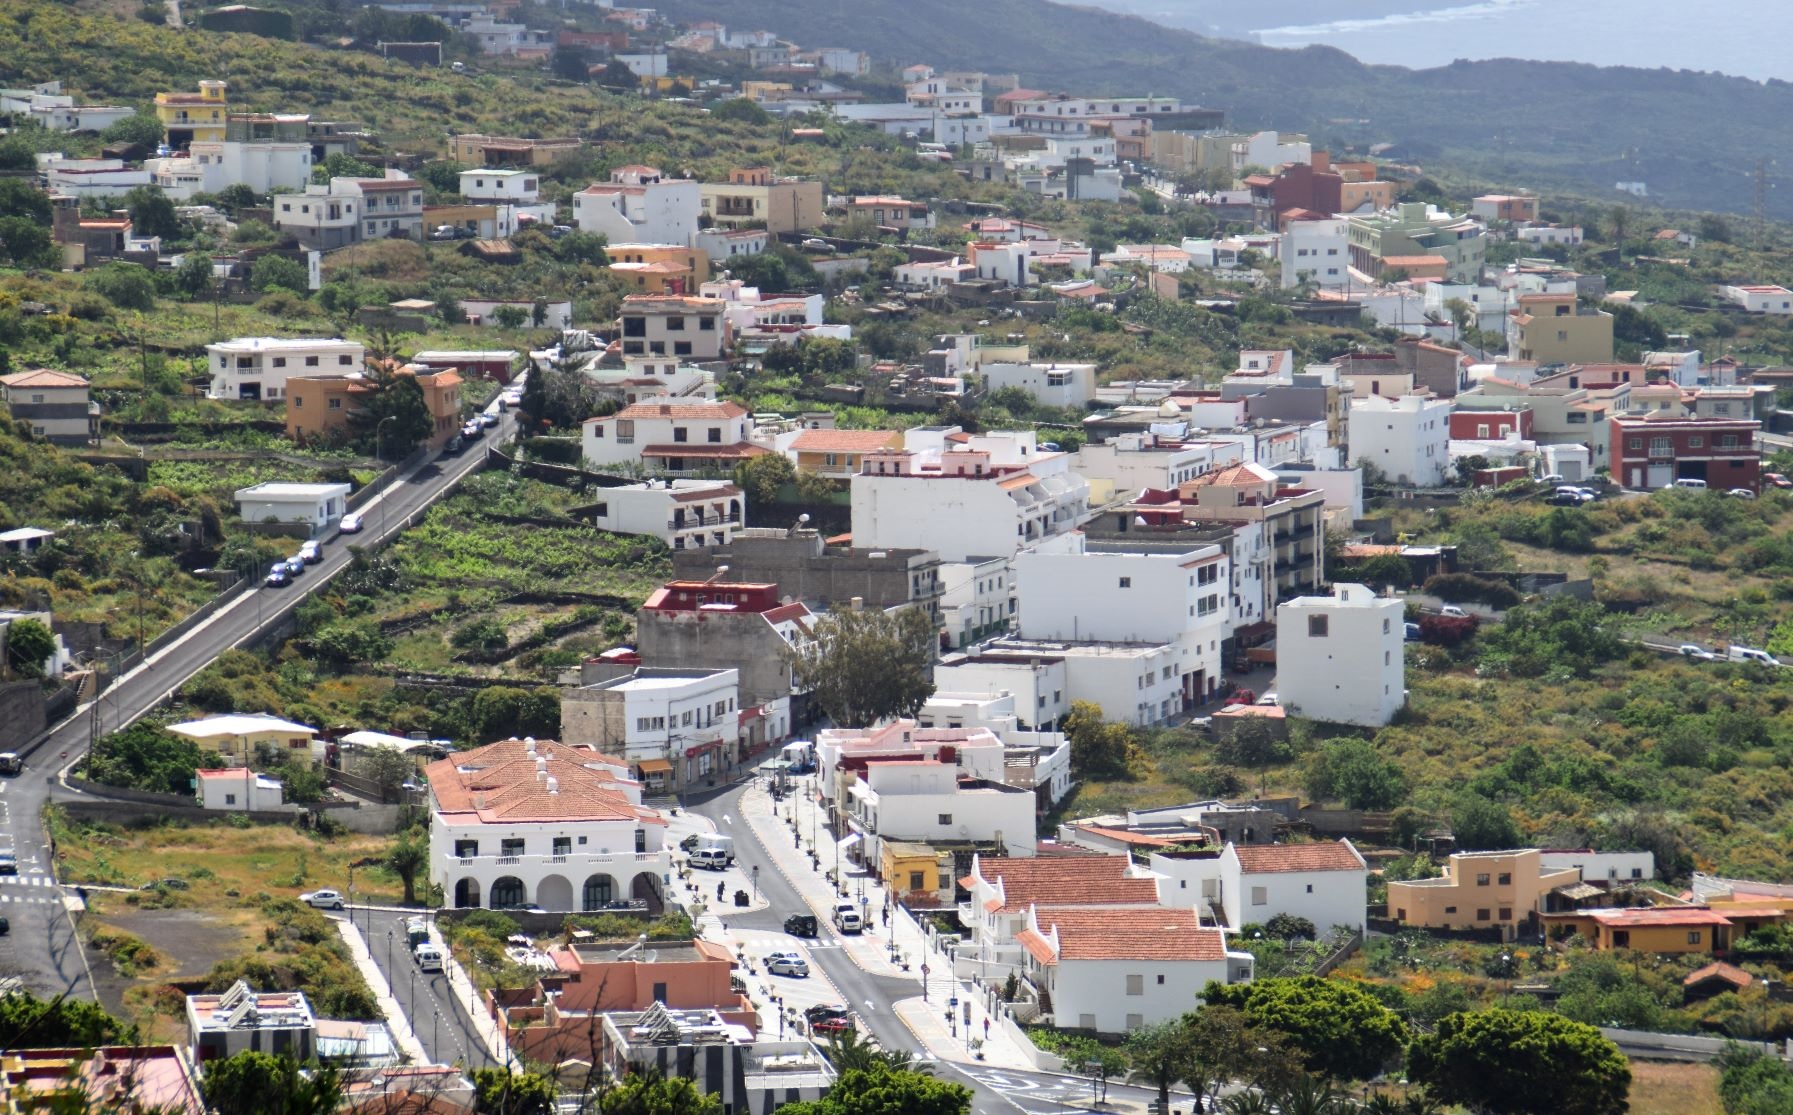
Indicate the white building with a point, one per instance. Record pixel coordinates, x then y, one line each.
1761 298
927 801
256 368
239 789
933 276
507 184
1051 384
1602 868
1340 658
1002 890
1131 462
681 723
1133 593
90 178
1037 760
211 166
671 436
1114 970
977 600
320 217
1248 884
1564 236
391 206
1316 251
48 106
525 821
640 206
55 405
684 514
962 495
724 244
556 314
674 325
315 505
1406 439
1134 683
1489 303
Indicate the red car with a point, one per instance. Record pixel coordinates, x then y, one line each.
832 1025
1777 479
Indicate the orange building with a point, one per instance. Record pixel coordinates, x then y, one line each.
659 268
324 407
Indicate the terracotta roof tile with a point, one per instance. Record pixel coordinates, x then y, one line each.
1658 916
498 783
1067 881
846 441
1718 969
1146 933
1265 859
43 377
682 410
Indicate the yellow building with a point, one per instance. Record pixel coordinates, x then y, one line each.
1479 890
1661 929
917 874
190 118
753 198
659 268
840 453
236 738
1555 329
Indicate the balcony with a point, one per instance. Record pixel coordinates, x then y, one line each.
581 859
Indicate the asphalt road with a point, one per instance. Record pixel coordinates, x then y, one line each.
436 1015
995 1091
41 949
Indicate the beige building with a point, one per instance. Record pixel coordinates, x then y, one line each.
1480 890
235 738
1556 329
753 198
1414 229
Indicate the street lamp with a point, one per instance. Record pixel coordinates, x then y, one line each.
756 882
379 431
389 949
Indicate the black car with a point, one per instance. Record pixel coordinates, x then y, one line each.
801 925
821 1012
5 927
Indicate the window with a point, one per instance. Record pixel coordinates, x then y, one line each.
311 361
1506 913
334 404
1317 626
634 326
1126 582
1135 1021
946 818
680 434
715 435
1310 888
1450 909
659 993
1136 985
706 324
1481 915
561 845
1634 443
1481 880
1506 878
1260 896
917 880
510 846
1693 936
230 799
280 361
1659 447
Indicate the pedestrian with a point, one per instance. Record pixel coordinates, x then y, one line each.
986 1029
887 915
719 889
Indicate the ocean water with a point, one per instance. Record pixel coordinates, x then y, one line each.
1746 38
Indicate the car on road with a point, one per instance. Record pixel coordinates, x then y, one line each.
1736 653
472 429
323 899
1551 478
1268 698
801 925
847 919
815 1014
488 419
1453 611
10 763
832 1025
1696 651
295 566
787 964
710 859
1778 480
453 447
311 552
428 957
1412 632
5 927
529 908
1691 482
351 523
9 864
278 577
1742 493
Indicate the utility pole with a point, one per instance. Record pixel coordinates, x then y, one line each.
1760 231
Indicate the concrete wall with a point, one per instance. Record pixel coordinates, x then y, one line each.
22 715
696 641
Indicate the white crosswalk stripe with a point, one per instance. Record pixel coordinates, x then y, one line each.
27 880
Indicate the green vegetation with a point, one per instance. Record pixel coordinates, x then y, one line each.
255 1083
866 665
29 1022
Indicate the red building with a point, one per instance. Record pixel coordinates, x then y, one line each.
1311 185
1654 451
1491 425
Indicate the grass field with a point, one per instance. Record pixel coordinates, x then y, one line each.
1665 1089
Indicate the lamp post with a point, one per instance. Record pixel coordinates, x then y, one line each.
379 433
756 882
389 949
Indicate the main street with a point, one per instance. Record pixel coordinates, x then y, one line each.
42 949
994 1090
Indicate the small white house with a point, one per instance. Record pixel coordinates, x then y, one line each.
1408 439
239 789
257 368
315 505
1248 884
1340 658
25 540
1762 298
684 514
1053 384
518 187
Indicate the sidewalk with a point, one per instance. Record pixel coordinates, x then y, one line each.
785 828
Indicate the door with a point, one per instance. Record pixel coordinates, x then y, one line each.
1661 476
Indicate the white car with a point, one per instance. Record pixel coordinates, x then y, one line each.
1694 650
1743 493
323 899
1268 698
351 523
787 964
1453 611
1551 478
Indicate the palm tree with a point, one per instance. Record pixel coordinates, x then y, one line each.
1247 1103
1311 1095
848 1051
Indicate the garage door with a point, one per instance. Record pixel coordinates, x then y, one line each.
1661 476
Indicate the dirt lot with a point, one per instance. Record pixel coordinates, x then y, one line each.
186 942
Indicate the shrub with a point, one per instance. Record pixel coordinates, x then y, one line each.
1461 588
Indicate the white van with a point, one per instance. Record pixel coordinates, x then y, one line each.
428 957
1689 482
711 859
846 918
1751 654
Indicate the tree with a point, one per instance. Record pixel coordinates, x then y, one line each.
570 63
25 243
510 317
1481 825
761 477
339 165
505 711
18 198
880 1090
741 110
1222 1045
125 285
503 1092
864 665
141 130
1157 1056
144 757
29 644
651 1093
1508 1062
387 769
152 214
1557 635
17 153
194 276
27 1022
272 272
1341 1029
1099 748
1752 1083
408 857
256 1083
847 1051
1384 570
393 419
618 77
1352 769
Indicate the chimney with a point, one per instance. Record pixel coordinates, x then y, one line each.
553 785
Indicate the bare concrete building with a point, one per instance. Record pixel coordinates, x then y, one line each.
807 568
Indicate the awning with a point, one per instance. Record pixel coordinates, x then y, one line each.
848 842
655 766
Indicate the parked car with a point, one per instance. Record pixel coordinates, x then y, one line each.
311 552
417 931
816 244
1694 650
5 927
428 957
787 964
453 446
689 844
1268 698
295 566
1690 482
1742 493
351 523
847 919
488 419
710 859
278 577
833 1026
1778 480
1453 611
1751 654
323 899
817 1013
801 925
9 864
1551 478
1412 632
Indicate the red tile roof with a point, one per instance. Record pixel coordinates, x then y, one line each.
1067 881
43 377
1263 859
846 441
682 410
498 784
740 451
1145 933
1658 916
1718 969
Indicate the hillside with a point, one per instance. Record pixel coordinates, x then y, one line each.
1537 124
